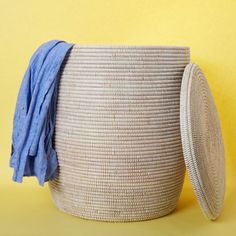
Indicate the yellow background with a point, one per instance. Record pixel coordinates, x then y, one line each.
208 27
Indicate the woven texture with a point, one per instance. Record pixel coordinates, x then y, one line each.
117 132
202 141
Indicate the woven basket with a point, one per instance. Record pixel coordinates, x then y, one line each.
117 133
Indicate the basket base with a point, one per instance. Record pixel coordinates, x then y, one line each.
112 216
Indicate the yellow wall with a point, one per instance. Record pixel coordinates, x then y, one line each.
208 27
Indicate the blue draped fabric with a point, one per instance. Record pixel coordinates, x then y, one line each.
34 119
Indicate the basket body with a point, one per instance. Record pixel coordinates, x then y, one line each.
117 133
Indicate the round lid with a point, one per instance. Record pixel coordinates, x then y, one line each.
202 141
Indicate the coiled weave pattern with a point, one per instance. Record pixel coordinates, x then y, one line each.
117 133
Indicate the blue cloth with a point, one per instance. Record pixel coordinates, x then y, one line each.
32 150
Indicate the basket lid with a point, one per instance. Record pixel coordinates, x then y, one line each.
202 141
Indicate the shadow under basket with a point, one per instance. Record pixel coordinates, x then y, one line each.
117 133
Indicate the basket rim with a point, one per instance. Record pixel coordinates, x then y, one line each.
131 46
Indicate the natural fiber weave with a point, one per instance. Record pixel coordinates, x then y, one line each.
117 132
202 141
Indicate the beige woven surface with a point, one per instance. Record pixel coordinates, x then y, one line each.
202 141
117 132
